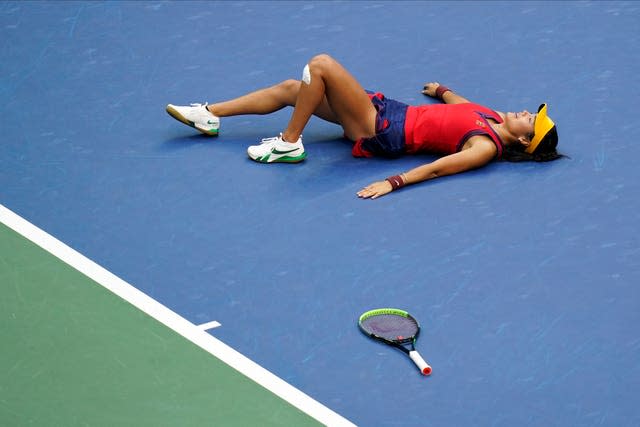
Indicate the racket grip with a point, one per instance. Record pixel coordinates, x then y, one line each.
420 363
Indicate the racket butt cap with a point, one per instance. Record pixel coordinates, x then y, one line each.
424 367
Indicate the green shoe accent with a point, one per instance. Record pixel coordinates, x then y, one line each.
213 132
274 151
283 159
294 159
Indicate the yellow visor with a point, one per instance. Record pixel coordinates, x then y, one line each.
541 128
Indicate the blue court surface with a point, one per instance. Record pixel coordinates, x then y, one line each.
524 276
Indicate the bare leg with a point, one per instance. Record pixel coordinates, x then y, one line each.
346 98
269 100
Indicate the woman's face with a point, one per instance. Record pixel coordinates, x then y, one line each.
520 124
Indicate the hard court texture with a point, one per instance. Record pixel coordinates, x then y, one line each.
524 276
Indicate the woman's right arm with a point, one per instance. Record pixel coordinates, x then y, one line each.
481 152
449 97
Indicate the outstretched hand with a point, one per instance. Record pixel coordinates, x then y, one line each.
429 89
375 190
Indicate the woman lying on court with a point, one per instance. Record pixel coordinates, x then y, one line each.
468 135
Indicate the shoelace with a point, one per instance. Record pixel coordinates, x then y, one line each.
199 105
272 139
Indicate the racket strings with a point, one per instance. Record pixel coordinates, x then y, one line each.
391 327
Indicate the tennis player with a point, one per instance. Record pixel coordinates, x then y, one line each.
465 134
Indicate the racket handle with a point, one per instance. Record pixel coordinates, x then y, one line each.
420 363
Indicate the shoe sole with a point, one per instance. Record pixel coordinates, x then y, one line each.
285 159
176 115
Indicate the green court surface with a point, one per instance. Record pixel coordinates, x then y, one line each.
73 353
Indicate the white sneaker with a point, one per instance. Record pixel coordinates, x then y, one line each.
273 150
196 116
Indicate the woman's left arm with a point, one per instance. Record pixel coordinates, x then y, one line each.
481 151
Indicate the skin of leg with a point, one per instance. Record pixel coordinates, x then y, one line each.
346 98
269 100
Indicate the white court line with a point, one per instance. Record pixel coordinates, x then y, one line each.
209 325
173 320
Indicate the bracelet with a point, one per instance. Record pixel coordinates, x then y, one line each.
396 182
441 90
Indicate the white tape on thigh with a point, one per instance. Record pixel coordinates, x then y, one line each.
306 75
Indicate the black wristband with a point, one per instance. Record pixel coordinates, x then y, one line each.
396 182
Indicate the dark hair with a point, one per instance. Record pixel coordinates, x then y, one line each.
545 151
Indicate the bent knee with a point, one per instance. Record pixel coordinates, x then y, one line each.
322 62
288 91
290 86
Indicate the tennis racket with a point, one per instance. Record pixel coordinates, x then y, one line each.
396 328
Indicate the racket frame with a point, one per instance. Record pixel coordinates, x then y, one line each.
424 367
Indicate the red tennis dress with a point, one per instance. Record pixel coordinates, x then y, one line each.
444 128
